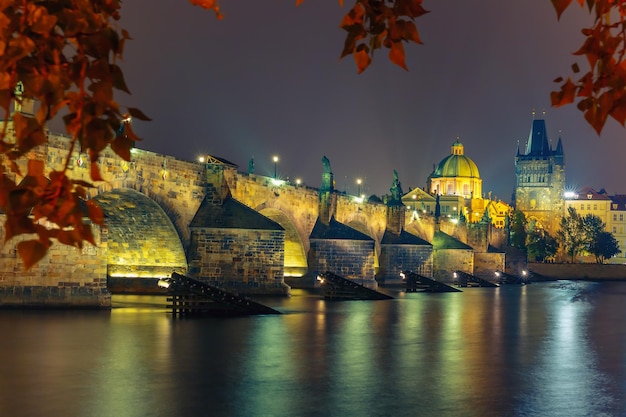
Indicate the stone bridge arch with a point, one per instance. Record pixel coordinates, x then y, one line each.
296 245
142 241
169 206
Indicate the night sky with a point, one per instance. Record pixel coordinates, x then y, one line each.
267 80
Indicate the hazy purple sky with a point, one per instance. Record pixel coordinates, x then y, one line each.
267 81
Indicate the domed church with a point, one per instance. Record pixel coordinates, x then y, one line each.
457 182
456 175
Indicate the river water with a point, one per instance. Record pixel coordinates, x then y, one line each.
546 349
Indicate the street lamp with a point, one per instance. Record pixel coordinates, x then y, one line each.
275 159
358 183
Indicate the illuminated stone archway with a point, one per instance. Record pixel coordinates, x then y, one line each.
142 241
295 254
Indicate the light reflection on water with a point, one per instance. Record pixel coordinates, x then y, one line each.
547 349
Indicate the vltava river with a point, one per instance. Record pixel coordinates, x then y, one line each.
546 349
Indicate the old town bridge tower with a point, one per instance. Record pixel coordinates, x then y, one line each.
540 179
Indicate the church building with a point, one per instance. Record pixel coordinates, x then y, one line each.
456 174
457 182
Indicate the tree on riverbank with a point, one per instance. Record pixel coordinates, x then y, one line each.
571 235
605 246
540 245
586 234
518 233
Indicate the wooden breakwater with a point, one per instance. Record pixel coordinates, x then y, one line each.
339 288
191 297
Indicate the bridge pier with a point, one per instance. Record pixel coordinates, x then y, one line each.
344 251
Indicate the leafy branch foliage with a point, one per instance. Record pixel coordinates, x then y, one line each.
63 54
601 91
373 24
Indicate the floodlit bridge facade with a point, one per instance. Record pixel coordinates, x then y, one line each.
161 218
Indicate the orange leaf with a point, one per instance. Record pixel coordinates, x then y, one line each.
95 212
95 172
206 4
35 167
410 8
362 59
396 54
409 32
66 237
353 17
565 96
560 6
138 114
597 114
31 252
619 112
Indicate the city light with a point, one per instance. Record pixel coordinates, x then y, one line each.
164 282
275 159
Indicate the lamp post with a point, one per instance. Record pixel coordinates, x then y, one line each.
358 183
275 159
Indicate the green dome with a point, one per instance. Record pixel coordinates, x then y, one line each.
456 165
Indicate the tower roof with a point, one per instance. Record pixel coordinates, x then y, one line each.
538 144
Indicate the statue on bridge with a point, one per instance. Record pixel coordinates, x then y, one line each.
396 189
251 166
326 165
327 176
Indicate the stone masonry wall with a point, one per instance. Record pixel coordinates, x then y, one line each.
397 258
477 236
66 277
486 264
176 185
352 259
245 261
446 261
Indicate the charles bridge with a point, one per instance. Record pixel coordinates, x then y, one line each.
250 233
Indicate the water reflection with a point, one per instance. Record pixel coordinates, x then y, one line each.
554 349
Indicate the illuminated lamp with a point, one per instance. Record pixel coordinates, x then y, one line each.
164 282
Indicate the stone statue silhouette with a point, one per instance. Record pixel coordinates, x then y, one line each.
396 188
326 165
251 166
328 183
